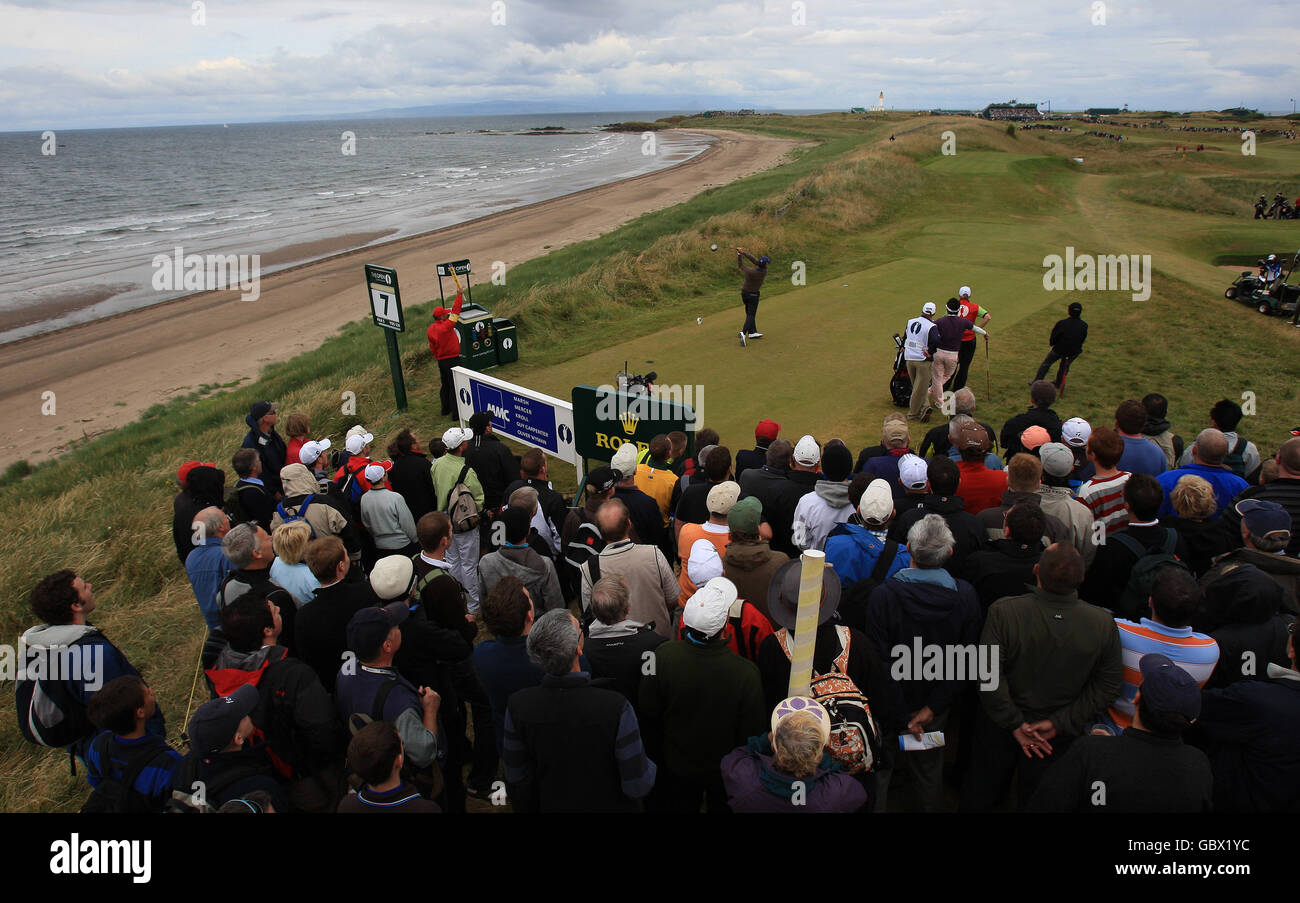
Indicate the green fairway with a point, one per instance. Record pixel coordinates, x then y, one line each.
878 227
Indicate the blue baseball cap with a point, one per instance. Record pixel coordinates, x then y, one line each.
1167 687
1263 517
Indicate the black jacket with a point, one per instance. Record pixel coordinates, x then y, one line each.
495 465
294 712
1139 772
272 450
1243 611
779 492
622 659
569 729
1110 570
205 488
1005 568
1035 416
1251 732
322 626
411 479
901 612
749 457
643 511
1068 336
1205 541
967 530
257 502
427 651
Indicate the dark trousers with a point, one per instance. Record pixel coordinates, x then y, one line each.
751 310
996 758
448 395
677 794
964 355
483 771
1052 358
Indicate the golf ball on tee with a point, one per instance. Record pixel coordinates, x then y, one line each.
713 248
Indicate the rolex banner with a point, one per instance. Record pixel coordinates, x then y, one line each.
604 418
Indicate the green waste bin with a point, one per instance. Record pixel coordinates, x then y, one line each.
507 343
478 344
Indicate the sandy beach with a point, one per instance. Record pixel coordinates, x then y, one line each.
107 372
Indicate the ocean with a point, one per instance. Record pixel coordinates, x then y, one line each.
80 228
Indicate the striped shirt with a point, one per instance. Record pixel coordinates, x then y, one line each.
1195 653
1105 499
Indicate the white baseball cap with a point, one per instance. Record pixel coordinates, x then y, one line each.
928 308
312 450
707 610
964 292
375 472
913 472
456 436
358 441
704 563
624 460
1076 431
877 503
807 452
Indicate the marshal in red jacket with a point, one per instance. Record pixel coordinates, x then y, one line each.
443 341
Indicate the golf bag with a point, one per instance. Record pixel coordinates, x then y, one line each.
900 384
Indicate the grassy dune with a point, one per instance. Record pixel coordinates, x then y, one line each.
877 226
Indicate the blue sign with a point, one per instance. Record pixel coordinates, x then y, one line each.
520 413
517 415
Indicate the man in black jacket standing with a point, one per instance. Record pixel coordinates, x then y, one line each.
269 445
491 460
1067 340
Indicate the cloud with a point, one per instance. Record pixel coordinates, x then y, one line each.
110 62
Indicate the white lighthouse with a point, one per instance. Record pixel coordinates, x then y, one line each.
880 104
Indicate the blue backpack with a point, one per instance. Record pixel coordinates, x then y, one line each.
299 514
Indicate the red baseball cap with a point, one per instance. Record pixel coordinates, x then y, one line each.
183 471
767 429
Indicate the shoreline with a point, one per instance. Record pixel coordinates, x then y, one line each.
107 371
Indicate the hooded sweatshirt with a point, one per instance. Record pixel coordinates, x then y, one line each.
293 713
534 571
299 482
751 566
1160 433
99 661
818 512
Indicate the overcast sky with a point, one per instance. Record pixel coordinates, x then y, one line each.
93 63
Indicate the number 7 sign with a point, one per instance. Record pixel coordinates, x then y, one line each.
385 299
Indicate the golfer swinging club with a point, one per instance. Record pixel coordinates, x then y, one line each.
754 277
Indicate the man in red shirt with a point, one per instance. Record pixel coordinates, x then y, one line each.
980 488
971 311
445 345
